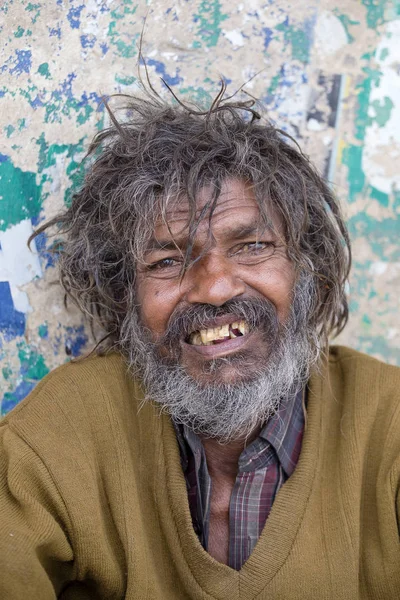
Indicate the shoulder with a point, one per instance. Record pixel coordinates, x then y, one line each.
365 398
359 367
76 394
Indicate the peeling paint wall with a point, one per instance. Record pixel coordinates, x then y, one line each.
330 75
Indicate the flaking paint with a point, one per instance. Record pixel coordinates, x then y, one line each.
327 75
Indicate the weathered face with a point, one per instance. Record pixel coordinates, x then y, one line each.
238 258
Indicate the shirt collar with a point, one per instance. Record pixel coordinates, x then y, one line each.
285 430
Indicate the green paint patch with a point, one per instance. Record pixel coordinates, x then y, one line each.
352 157
125 49
76 173
84 114
198 95
20 196
73 153
300 44
375 12
60 104
43 70
21 123
353 306
20 32
382 235
298 40
360 283
99 125
362 119
9 129
384 54
7 372
366 322
125 79
59 107
347 23
208 19
382 111
33 366
126 7
43 330
378 346
273 86
382 198
352 154
125 44
33 8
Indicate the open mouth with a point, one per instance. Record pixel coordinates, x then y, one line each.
217 335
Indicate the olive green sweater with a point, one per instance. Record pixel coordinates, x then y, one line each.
93 502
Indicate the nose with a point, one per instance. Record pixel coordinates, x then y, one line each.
212 280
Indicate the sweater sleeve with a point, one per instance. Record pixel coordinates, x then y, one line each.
36 559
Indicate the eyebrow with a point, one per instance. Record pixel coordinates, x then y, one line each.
239 232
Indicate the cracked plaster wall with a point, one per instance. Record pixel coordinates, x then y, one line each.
330 76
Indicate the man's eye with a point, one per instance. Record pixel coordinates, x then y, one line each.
256 248
165 263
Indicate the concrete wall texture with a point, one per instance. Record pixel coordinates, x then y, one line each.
330 75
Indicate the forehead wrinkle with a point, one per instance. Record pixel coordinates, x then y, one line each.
256 227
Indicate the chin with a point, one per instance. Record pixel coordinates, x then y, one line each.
223 372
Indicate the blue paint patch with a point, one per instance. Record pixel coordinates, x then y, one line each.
75 340
268 35
43 331
160 69
66 86
3 158
11 399
12 322
36 102
2 93
55 32
174 16
285 23
309 27
104 48
46 257
104 8
88 40
74 15
23 62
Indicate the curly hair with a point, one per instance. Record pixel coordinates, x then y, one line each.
164 152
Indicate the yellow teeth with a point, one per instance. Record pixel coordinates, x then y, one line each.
205 337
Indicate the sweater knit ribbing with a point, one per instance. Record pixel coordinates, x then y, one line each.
93 502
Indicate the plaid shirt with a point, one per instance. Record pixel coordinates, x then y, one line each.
263 468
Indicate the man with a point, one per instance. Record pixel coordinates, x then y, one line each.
214 447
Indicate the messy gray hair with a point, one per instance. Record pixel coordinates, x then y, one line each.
164 152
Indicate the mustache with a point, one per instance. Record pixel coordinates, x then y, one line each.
259 313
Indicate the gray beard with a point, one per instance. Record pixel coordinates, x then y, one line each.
226 411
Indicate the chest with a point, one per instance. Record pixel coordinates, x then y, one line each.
229 514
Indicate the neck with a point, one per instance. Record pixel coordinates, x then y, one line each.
222 459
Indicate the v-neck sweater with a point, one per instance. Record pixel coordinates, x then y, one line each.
93 501
263 467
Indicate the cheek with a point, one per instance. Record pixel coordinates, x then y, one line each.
157 301
276 284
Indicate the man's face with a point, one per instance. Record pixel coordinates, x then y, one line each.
236 257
